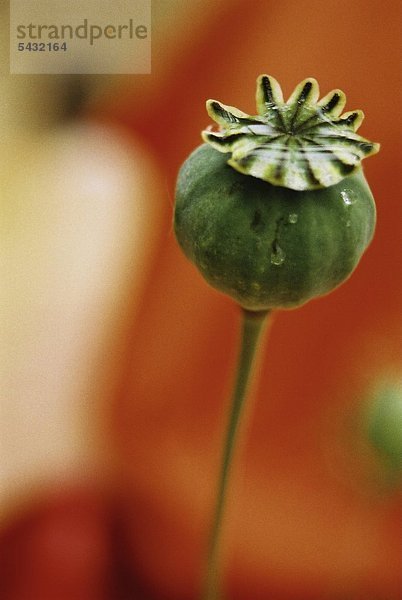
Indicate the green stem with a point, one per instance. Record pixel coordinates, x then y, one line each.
252 327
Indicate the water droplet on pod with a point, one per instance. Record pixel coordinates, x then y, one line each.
348 197
278 256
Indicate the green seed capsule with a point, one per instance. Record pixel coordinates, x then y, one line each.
264 245
251 236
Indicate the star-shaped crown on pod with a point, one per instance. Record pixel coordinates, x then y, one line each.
301 144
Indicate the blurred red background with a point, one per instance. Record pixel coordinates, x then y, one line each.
312 514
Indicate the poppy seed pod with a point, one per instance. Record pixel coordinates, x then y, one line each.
274 209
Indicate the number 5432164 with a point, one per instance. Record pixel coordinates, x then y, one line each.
42 46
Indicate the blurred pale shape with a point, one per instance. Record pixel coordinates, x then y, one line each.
80 226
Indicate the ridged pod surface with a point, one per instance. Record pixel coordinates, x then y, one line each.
268 246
